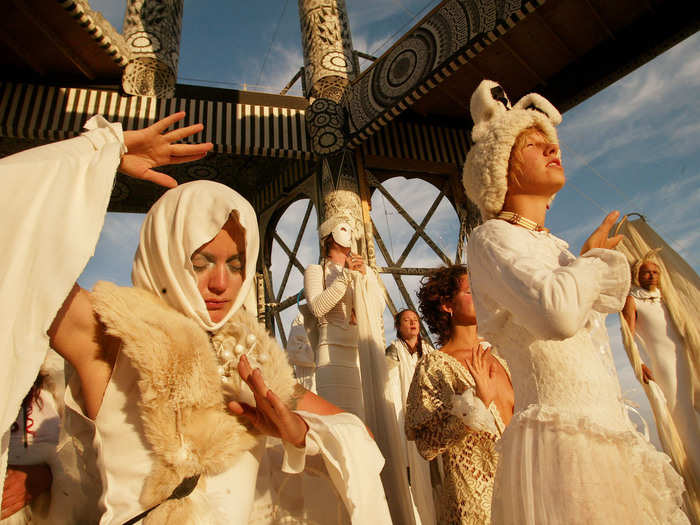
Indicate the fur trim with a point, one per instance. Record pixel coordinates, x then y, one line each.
181 404
263 353
496 126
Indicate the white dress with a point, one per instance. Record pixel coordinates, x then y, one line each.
570 454
329 295
401 366
663 348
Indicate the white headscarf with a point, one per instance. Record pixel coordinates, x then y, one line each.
180 222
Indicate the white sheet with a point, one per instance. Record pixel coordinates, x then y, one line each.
53 206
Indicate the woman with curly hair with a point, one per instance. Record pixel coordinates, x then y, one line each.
460 399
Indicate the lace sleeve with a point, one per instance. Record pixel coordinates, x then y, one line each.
429 418
322 301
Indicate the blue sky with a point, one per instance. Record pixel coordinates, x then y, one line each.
632 147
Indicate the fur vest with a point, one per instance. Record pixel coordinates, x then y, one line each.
181 404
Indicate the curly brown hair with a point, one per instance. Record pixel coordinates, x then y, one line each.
437 288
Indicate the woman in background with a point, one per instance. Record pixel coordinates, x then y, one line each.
402 355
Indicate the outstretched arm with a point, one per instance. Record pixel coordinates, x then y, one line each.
76 333
151 147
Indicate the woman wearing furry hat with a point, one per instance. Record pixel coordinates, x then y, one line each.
157 363
459 401
570 454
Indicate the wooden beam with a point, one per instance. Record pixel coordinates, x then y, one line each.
409 165
366 201
396 276
404 271
276 316
423 223
522 62
55 40
297 242
288 252
22 52
410 221
554 35
600 20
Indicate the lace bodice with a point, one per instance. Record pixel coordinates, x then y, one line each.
537 303
468 452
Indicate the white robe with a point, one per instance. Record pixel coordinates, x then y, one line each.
53 206
401 372
570 454
665 354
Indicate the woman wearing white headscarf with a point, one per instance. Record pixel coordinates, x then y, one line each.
156 363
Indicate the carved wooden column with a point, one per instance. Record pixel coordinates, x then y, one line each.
329 68
152 30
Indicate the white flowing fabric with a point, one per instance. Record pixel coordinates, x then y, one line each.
380 414
681 289
535 302
301 354
663 346
400 375
179 223
53 208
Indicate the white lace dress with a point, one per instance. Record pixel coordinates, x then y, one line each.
570 454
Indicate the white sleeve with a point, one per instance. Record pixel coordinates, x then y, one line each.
52 210
353 462
550 303
322 301
474 413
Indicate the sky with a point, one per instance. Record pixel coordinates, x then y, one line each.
632 147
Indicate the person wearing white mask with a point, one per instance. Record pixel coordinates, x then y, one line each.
329 291
158 363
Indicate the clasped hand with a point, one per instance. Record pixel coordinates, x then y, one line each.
356 262
269 415
482 368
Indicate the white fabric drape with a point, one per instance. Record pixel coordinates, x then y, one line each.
679 284
379 411
53 209
179 223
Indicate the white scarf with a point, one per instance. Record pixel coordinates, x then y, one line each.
180 222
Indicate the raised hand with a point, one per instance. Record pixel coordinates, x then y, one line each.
150 147
270 416
599 238
482 369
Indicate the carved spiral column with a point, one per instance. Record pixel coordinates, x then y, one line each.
152 30
325 35
329 68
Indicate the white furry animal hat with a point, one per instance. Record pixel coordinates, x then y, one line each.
496 126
